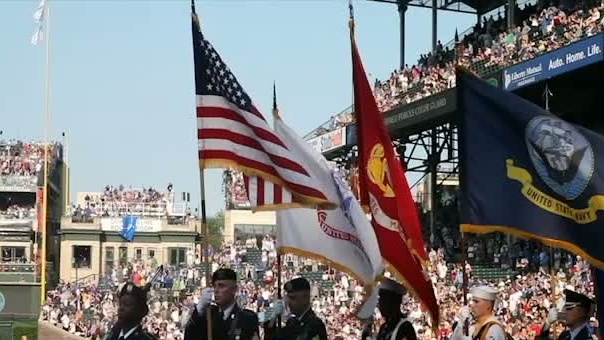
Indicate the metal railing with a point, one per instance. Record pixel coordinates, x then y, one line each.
120 209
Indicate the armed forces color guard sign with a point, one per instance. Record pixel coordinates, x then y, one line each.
564 160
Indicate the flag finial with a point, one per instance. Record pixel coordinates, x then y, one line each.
275 108
351 12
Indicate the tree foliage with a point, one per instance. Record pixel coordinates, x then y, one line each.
215 229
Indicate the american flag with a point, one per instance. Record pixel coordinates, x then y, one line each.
232 133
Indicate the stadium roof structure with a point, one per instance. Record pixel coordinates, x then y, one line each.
462 6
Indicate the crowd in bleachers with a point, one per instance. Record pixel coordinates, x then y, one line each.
541 27
20 162
234 190
116 201
89 308
18 212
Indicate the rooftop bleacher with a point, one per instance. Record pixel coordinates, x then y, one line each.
119 201
488 48
21 163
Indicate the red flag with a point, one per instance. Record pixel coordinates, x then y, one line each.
384 189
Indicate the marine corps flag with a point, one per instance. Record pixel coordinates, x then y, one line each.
527 172
384 188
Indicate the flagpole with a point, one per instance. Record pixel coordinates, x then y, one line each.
464 241
204 221
46 160
279 297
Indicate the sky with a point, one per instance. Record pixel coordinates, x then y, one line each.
122 81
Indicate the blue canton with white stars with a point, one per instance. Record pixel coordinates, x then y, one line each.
214 78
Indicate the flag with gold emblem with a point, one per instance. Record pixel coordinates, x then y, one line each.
384 189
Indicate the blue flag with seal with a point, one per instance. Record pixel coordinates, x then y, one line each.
527 172
129 227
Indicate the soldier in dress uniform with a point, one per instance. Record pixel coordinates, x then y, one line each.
131 311
229 321
303 323
487 327
577 310
395 326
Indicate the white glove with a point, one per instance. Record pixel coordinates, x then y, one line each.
278 309
552 316
205 299
464 314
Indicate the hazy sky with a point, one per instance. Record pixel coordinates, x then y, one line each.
122 75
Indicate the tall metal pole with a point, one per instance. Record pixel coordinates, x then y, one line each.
46 161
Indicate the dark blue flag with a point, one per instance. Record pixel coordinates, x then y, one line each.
129 227
529 173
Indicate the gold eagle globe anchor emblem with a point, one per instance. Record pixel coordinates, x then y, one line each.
377 170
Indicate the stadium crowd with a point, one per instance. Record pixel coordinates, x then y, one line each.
89 308
488 48
114 201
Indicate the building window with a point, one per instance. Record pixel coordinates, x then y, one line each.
178 256
13 254
123 254
138 253
109 258
151 253
81 256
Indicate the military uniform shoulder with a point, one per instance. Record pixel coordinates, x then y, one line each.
248 313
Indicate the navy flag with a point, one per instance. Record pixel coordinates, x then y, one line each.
527 172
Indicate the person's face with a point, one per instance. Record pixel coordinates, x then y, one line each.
127 310
574 314
481 307
297 301
224 291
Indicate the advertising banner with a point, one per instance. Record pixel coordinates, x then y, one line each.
580 54
329 141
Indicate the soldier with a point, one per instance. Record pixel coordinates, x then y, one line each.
487 326
303 323
131 311
396 326
577 309
229 321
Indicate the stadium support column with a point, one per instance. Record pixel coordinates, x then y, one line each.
511 12
434 25
433 159
402 10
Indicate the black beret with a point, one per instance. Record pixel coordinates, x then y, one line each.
299 284
224 274
577 299
135 291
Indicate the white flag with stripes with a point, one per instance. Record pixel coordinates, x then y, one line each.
342 237
39 17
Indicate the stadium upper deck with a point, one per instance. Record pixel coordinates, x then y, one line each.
488 49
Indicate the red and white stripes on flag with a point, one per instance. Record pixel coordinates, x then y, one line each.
263 193
232 133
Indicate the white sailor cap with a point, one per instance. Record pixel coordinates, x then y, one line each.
392 286
485 293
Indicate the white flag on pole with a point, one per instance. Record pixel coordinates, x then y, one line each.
342 237
39 16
